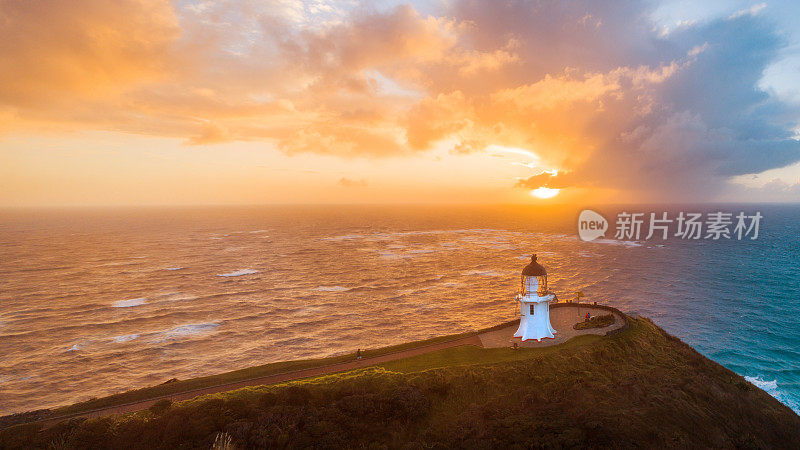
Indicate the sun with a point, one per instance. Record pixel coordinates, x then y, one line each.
544 192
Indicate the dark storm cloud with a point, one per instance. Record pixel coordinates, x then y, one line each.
679 135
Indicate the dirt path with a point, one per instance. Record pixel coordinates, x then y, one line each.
266 380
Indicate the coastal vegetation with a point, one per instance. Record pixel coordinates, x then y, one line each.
595 322
641 388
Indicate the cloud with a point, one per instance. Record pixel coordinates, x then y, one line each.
347 182
87 49
777 186
671 117
210 134
775 190
559 180
592 88
751 11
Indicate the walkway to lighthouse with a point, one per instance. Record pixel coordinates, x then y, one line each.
562 316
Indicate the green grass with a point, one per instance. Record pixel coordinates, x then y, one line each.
641 388
471 355
464 355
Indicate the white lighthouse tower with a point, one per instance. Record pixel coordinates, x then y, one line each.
534 300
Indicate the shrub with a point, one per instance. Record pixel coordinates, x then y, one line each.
595 322
160 406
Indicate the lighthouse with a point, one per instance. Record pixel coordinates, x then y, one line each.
534 300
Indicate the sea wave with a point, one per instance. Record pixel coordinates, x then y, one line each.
188 329
177 296
395 282
771 388
129 303
482 273
331 288
617 242
124 338
238 273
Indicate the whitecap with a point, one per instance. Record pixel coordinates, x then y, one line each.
238 273
483 273
188 330
331 288
177 296
259 231
771 388
390 255
174 268
124 338
617 242
74 348
129 303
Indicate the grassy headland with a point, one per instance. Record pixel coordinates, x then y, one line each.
639 388
178 386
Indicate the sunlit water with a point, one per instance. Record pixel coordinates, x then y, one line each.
97 302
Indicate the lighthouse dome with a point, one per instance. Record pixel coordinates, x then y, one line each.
534 269
534 279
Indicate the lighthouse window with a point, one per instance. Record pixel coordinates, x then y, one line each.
531 309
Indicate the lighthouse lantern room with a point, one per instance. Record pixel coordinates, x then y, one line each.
534 299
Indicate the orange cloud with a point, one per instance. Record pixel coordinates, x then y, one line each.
590 88
51 50
347 182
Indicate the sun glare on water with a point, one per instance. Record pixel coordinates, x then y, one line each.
544 192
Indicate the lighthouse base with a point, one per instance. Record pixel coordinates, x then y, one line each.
534 321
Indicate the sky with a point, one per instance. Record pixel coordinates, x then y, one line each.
150 102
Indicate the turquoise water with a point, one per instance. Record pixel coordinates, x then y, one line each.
737 302
94 302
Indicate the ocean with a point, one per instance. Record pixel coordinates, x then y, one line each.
98 301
